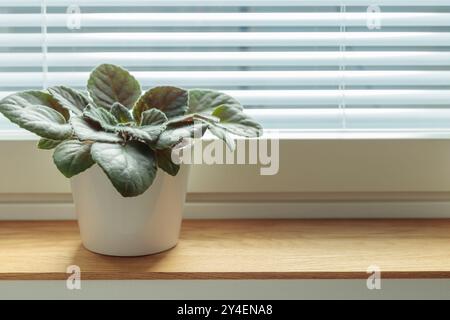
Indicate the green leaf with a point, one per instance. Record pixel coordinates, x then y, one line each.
41 120
212 121
153 117
148 134
191 118
101 117
170 100
222 134
73 157
173 136
27 99
237 122
86 131
69 98
48 144
108 84
130 167
165 162
122 114
206 101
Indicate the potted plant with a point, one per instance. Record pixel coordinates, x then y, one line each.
115 132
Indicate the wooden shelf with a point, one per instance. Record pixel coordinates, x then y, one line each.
240 249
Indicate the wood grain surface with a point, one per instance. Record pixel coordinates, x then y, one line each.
239 249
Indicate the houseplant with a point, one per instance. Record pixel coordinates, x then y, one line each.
115 129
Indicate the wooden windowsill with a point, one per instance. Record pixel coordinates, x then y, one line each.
239 249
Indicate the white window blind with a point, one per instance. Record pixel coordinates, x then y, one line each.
307 65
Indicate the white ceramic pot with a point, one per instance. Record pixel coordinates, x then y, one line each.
113 225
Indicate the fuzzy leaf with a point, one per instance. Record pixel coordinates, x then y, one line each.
170 100
100 117
86 131
48 144
153 117
69 98
206 101
41 120
191 118
130 167
173 136
26 99
73 157
122 114
108 84
237 122
165 162
149 134
222 134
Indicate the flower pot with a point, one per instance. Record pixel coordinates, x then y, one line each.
113 225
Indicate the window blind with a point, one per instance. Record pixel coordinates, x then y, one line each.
304 65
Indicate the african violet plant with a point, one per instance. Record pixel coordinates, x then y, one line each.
127 133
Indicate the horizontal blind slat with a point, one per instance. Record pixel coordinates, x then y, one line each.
394 119
190 59
278 19
243 78
228 3
227 39
334 97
